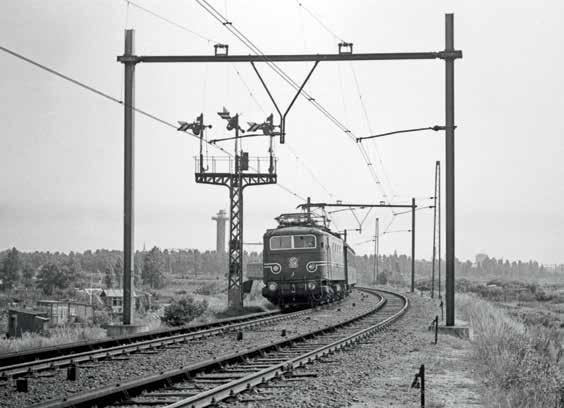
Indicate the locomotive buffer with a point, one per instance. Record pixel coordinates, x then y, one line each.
236 174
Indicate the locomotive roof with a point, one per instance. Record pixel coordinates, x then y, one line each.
300 229
296 228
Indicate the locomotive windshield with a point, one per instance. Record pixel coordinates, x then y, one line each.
292 241
304 241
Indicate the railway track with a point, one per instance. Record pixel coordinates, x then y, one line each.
28 363
77 347
211 381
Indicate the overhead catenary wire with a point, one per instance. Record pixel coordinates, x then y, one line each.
365 112
249 90
337 37
116 100
249 44
320 22
308 169
369 127
245 84
180 26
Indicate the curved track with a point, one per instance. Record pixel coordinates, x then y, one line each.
208 382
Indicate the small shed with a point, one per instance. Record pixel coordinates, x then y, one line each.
22 321
62 312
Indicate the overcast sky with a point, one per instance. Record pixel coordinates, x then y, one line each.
62 147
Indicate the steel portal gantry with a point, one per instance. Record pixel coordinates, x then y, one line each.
130 60
307 206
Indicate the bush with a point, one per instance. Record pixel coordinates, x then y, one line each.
543 295
102 317
183 311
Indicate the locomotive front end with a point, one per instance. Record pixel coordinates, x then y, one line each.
291 266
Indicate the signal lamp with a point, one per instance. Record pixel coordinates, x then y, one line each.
197 126
267 126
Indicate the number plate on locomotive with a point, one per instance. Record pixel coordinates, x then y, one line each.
293 262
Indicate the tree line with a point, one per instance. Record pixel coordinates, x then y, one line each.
51 272
57 271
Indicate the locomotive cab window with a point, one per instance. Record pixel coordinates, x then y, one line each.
293 242
304 241
281 242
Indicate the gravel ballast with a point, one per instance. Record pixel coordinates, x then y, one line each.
379 372
54 385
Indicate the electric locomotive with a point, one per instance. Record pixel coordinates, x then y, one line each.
305 263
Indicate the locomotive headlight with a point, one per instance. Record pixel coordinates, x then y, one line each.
275 268
311 285
272 286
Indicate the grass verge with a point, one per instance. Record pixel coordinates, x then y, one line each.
519 361
53 337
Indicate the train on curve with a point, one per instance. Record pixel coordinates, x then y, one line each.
305 263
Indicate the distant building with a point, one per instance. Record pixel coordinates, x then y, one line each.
113 299
60 312
220 220
480 259
47 313
26 321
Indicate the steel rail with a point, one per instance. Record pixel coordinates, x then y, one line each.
115 392
29 367
277 371
53 351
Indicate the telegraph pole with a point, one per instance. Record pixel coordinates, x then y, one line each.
376 250
437 170
413 206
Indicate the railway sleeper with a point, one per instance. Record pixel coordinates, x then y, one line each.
171 394
214 382
155 402
219 376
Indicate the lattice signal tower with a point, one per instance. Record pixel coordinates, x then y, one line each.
236 174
